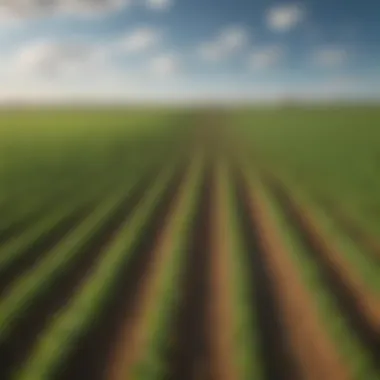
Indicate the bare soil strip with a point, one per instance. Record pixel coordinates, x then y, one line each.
221 321
312 348
360 306
188 357
357 233
131 344
90 357
40 248
277 361
27 328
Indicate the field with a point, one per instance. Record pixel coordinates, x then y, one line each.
190 244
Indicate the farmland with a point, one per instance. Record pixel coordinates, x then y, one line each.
190 244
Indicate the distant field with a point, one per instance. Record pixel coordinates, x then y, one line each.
334 151
184 244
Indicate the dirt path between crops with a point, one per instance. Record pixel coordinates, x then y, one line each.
276 358
28 326
131 344
90 357
221 323
360 306
315 354
188 352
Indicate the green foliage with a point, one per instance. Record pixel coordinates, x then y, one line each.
331 151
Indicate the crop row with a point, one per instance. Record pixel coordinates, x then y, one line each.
202 269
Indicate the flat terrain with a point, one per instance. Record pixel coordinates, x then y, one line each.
190 244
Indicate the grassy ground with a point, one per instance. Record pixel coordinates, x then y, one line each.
330 151
55 161
45 148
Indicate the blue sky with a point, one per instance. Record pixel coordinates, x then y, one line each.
188 49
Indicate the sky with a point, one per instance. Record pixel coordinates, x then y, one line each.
182 50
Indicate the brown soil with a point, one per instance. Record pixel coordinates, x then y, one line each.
188 351
89 358
360 306
132 341
276 358
26 329
221 325
312 349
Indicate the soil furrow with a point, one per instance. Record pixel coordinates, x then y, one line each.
133 341
90 357
188 356
28 326
221 319
315 354
360 308
277 361
40 248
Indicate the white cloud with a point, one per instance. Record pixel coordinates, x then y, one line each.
233 38
282 18
139 40
159 5
230 40
333 56
51 59
164 65
7 16
24 9
265 57
72 69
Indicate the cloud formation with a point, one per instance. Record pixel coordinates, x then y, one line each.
283 18
139 40
49 58
265 57
164 65
159 5
230 40
23 9
56 57
331 56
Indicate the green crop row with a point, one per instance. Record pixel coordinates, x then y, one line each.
353 353
248 350
34 283
328 150
72 322
350 249
41 161
153 365
17 246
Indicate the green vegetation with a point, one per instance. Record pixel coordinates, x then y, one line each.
77 316
354 353
153 366
329 151
57 163
248 350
